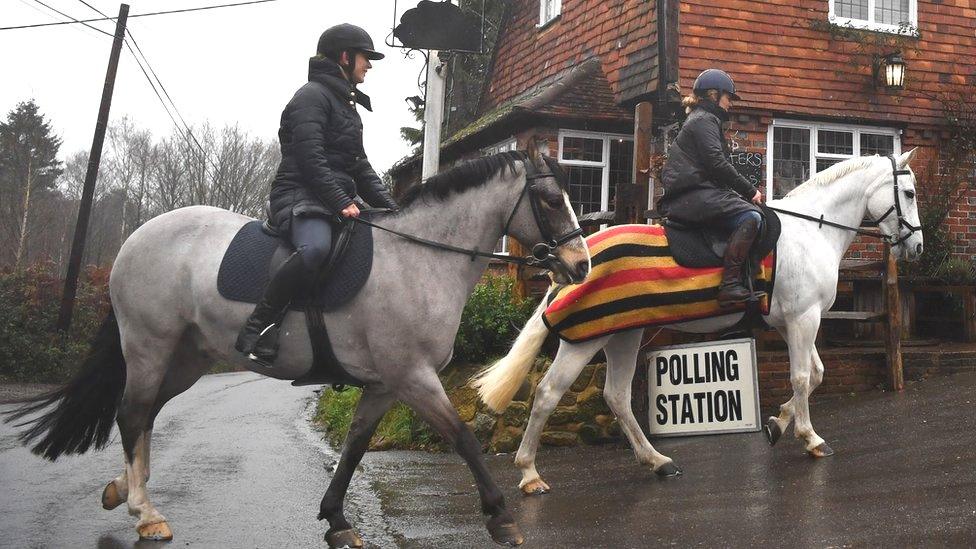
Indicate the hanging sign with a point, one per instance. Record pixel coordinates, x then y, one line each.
704 388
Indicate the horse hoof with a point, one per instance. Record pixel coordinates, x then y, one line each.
772 431
110 497
669 469
337 539
822 451
157 531
535 487
504 531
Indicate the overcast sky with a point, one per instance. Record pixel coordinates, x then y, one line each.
232 65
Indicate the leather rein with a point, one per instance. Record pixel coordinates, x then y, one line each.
893 240
542 252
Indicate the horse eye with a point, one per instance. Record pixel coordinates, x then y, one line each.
910 194
554 203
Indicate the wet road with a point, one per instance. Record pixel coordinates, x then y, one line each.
236 465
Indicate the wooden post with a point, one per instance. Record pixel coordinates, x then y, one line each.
88 192
643 115
515 248
896 374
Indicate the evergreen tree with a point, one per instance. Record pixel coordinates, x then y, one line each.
29 169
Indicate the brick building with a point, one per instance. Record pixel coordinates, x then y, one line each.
571 72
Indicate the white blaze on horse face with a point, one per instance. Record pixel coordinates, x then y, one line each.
575 251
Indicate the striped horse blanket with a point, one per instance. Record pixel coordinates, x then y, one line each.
635 282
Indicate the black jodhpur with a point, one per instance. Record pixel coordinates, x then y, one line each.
311 237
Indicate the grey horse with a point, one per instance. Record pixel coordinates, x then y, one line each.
169 325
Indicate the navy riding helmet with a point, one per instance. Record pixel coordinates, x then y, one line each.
715 79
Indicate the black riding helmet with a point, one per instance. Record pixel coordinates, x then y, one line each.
715 79
347 37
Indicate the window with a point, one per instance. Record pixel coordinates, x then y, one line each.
595 163
897 16
801 149
508 145
549 10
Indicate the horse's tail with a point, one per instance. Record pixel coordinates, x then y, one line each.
84 409
498 383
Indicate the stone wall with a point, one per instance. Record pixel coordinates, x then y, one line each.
582 415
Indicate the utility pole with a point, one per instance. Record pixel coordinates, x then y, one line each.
434 111
87 195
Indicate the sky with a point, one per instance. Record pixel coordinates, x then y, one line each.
236 65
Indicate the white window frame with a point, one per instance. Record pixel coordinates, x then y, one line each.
502 146
814 128
605 164
870 23
557 9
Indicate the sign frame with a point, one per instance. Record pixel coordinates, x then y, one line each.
651 386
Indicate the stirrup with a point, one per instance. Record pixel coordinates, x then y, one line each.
265 360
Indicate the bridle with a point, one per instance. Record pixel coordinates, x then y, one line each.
896 209
893 240
542 252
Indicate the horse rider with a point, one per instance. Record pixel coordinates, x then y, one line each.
702 188
323 167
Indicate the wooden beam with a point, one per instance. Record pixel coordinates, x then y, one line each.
896 374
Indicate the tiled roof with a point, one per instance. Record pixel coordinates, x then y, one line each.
621 33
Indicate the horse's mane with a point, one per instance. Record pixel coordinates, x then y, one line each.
833 173
466 175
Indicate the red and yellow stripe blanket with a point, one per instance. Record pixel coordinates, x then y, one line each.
635 282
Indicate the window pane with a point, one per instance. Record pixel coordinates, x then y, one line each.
854 9
584 188
877 144
621 165
791 159
501 247
891 12
830 142
824 163
583 148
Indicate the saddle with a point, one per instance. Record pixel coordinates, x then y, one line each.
699 247
258 249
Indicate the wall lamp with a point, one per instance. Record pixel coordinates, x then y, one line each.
889 71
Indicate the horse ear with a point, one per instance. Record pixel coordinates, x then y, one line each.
906 158
532 149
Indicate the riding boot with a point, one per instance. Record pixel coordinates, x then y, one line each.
258 338
732 290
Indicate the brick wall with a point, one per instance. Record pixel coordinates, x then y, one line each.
784 59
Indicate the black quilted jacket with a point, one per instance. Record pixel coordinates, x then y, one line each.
323 164
700 184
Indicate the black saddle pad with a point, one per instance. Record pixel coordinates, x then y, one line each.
696 247
248 261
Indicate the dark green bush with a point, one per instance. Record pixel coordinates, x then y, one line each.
488 324
31 349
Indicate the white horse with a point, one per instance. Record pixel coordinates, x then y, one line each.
807 262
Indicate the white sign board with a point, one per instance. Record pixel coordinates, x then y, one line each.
703 388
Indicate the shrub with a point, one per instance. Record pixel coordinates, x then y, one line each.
488 324
31 350
400 427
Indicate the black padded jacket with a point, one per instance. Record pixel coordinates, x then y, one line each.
323 163
700 183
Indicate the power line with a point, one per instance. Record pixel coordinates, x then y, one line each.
106 18
73 20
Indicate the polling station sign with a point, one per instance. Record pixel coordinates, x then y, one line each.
703 388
